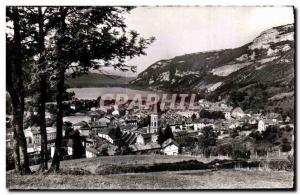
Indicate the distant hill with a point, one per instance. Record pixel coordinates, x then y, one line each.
98 80
256 76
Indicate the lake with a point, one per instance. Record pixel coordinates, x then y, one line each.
94 93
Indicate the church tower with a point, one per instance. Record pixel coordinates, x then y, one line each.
153 123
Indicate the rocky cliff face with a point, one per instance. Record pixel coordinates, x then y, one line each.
262 68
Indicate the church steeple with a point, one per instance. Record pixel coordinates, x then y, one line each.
154 123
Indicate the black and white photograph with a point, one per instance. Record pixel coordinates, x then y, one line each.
150 97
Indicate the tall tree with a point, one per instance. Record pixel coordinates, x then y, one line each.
207 140
164 135
46 21
40 22
36 17
43 85
78 148
15 58
160 136
90 38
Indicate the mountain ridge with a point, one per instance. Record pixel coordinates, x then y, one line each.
266 64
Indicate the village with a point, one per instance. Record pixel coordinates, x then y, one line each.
150 97
214 129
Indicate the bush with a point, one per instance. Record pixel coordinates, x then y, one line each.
286 145
262 152
291 161
225 149
234 133
241 154
211 115
256 135
207 140
10 163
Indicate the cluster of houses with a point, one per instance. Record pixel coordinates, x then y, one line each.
140 140
113 128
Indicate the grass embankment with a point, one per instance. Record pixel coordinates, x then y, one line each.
82 174
222 179
194 165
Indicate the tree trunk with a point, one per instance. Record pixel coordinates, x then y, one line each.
60 89
43 92
16 151
13 95
43 131
18 125
17 93
59 124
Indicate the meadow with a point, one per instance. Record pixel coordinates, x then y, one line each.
83 176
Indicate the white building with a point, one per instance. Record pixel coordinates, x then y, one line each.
91 152
104 121
107 134
140 139
196 126
237 113
227 115
188 114
170 147
33 135
263 124
76 119
116 111
80 124
234 124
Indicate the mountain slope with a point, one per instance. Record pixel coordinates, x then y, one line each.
260 69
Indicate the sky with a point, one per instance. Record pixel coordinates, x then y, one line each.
183 30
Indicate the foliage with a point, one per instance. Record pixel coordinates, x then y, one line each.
225 149
210 151
207 140
252 98
9 159
117 133
286 145
19 53
123 150
271 134
240 154
256 135
89 38
262 152
188 142
212 114
194 116
69 131
165 134
8 105
78 149
104 151
160 136
291 159
144 122
235 132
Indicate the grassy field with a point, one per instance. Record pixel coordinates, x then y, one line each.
197 179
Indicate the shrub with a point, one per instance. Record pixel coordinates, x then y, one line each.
241 154
262 152
225 149
286 145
